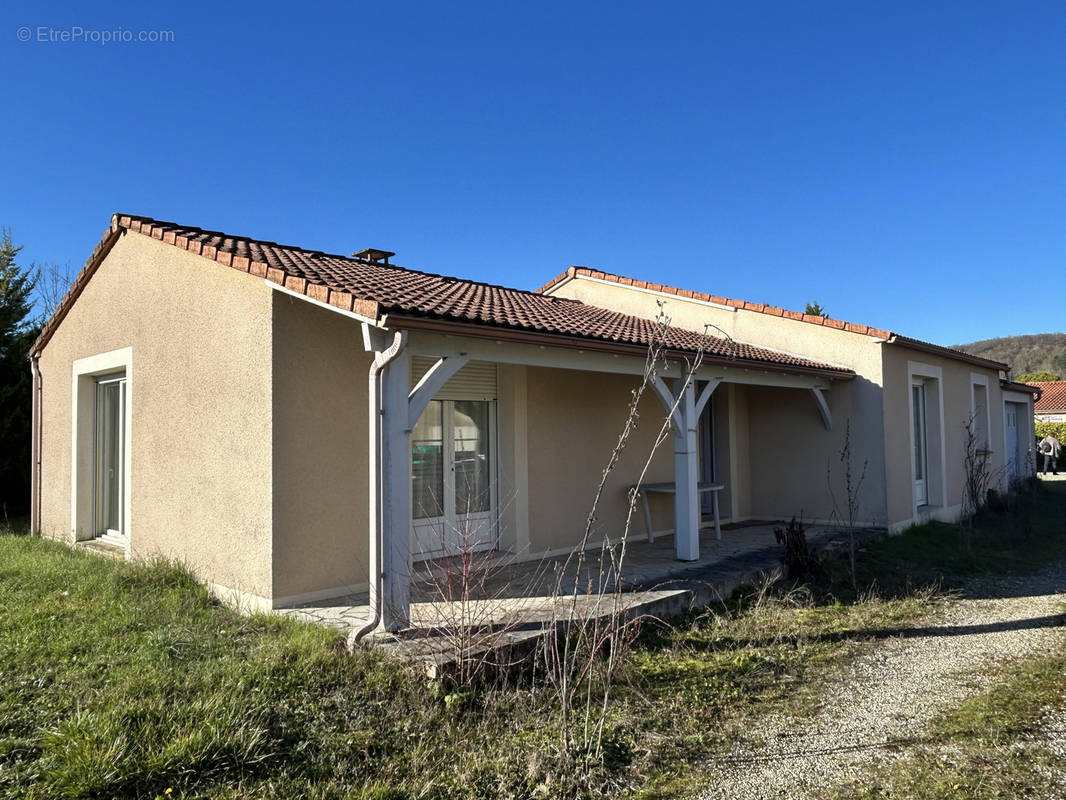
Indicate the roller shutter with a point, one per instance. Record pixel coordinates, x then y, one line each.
475 381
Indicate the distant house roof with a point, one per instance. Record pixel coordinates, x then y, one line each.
373 290
761 308
1052 395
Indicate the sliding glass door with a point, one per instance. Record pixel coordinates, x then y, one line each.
920 445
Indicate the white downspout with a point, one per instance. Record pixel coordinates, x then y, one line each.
36 428
381 360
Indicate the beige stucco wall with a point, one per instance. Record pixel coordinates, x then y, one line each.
795 462
200 401
788 448
512 474
829 345
320 452
250 421
574 421
735 465
956 385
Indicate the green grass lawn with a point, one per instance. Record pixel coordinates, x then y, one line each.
1026 533
129 680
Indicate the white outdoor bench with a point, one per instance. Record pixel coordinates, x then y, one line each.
669 488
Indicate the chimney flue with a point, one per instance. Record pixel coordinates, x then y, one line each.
373 255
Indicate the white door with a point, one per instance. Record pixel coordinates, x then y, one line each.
453 501
1010 412
919 445
109 462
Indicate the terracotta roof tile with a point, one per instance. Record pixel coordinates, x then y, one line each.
373 289
865 330
1053 395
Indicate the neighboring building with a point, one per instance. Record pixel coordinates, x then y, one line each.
295 425
1051 404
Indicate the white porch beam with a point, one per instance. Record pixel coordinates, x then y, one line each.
823 407
396 493
431 383
437 345
666 397
705 395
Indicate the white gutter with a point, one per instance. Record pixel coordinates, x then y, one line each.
377 577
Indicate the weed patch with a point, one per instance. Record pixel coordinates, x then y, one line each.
128 680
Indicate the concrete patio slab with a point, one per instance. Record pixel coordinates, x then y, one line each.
516 602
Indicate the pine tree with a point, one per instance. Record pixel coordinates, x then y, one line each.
816 309
17 332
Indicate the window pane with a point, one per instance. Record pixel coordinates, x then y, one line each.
919 432
109 465
427 463
980 412
470 426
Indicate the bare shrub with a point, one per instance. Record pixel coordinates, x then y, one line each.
474 601
595 626
977 474
848 514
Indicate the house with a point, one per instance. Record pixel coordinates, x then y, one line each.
296 425
1051 403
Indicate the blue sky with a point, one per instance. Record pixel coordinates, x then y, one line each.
903 163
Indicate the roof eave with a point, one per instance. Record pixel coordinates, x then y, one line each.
81 280
945 352
1022 387
517 335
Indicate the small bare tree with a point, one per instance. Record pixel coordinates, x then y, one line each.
594 623
847 515
977 475
475 599
53 283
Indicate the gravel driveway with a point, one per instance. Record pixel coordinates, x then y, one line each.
890 695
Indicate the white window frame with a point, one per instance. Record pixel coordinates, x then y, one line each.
98 456
920 431
85 375
977 379
918 372
436 527
1027 452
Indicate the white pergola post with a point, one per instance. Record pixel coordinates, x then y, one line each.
685 408
686 475
396 494
400 410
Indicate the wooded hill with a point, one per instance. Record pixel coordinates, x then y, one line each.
1041 352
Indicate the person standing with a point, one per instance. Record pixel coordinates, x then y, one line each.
1051 448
